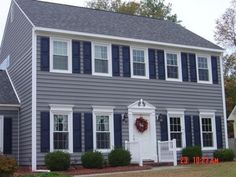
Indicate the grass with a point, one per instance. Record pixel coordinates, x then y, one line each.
217 170
46 175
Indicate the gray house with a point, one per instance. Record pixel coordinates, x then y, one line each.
79 79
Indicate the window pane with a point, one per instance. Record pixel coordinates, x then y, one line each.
203 70
102 123
101 66
60 122
202 63
207 133
60 62
203 74
172 66
61 140
60 48
138 56
172 72
175 130
103 140
139 69
178 137
172 59
207 140
101 52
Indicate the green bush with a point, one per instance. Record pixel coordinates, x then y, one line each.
57 161
45 175
8 166
119 157
92 160
224 155
191 152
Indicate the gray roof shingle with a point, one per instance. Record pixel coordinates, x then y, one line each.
7 94
80 19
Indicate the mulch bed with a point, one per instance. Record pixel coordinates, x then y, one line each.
79 170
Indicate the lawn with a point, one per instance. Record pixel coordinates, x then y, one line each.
217 170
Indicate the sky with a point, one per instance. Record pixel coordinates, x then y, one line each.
199 16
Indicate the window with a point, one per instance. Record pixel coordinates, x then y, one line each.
103 128
5 64
61 56
139 66
61 128
1 134
173 67
208 135
101 59
204 69
176 127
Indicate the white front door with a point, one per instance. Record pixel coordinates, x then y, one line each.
145 138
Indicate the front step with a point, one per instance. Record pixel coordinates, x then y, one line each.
153 164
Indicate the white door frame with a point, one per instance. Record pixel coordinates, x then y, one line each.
1 133
146 109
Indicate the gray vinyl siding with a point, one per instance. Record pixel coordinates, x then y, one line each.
13 114
17 42
83 91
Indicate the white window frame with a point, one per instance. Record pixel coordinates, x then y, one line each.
177 113
209 69
65 110
109 59
69 52
106 111
208 114
146 61
1 134
179 66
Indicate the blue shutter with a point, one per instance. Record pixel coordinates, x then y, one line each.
44 54
118 130
214 69
219 132
87 58
161 64
188 130
193 68
184 61
88 121
7 136
152 63
197 133
77 132
126 61
76 56
45 132
115 60
164 128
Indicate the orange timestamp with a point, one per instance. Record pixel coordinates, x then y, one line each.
199 160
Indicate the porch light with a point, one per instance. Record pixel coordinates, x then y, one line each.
125 117
160 117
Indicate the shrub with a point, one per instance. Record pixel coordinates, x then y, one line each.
191 152
119 157
92 160
8 166
224 154
57 161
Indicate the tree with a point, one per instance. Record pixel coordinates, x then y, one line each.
148 8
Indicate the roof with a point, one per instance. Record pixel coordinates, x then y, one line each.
7 93
80 19
232 115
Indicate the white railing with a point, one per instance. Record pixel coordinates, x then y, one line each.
167 151
135 149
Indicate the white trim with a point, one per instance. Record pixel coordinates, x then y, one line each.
179 66
34 102
146 62
13 87
61 107
64 111
10 105
212 116
126 39
1 133
106 111
69 55
109 58
209 69
177 113
24 13
224 102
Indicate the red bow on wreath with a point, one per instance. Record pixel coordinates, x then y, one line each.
141 124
